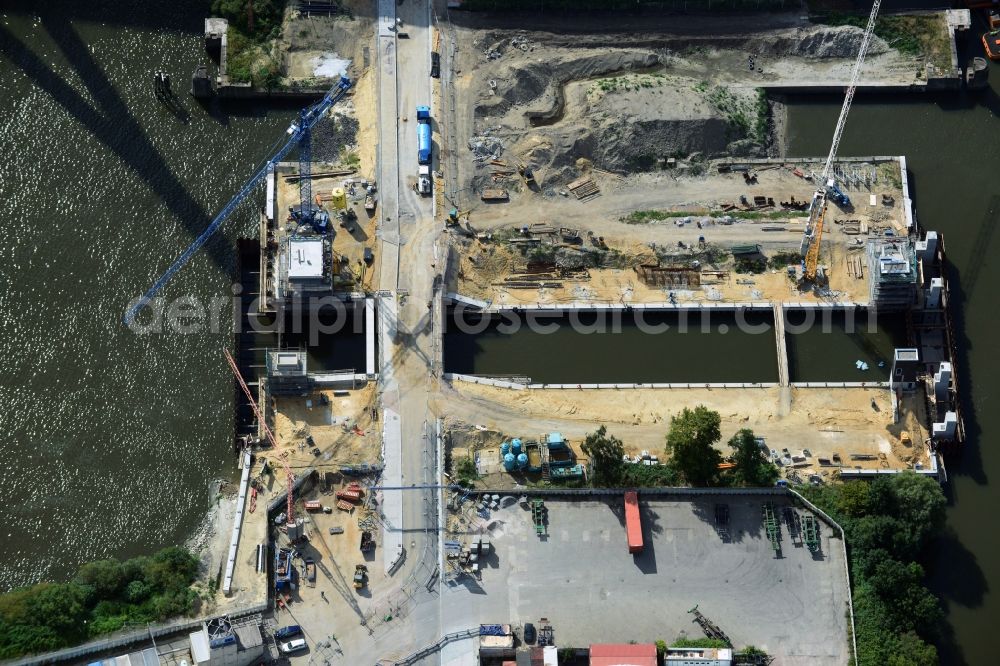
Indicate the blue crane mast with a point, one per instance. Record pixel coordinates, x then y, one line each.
299 134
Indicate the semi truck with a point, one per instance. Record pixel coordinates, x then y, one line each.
423 134
633 523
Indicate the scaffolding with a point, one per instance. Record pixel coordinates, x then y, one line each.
772 526
892 265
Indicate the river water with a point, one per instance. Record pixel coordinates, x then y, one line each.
110 439
951 147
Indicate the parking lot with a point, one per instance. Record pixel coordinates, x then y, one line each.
581 577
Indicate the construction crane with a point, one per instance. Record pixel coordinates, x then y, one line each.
828 187
299 134
289 476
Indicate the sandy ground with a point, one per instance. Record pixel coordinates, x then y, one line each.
825 421
675 241
345 244
342 430
306 38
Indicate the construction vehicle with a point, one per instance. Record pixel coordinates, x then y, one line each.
367 542
310 572
299 134
828 189
424 148
528 175
424 179
360 576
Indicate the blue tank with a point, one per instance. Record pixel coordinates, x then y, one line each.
515 446
509 462
424 142
522 460
505 448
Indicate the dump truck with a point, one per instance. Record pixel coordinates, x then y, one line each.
633 522
310 572
423 135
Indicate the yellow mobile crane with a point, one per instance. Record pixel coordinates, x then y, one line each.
828 186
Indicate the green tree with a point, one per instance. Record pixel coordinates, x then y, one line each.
911 650
691 444
606 453
753 468
266 15
60 607
104 576
919 503
853 498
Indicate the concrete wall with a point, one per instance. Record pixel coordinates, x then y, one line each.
502 383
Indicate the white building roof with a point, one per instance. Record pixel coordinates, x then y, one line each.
305 258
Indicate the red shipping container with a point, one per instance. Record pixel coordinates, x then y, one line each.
633 523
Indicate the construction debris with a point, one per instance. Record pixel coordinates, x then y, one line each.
584 188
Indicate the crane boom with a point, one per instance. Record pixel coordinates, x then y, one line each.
307 119
289 477
814 229
866 40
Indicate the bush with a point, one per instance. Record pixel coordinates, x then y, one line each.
267 15
887 523
466 472
104 596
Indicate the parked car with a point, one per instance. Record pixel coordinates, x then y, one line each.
529 633
435 64
292 646
287 632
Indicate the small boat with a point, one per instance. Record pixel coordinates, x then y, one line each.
991 42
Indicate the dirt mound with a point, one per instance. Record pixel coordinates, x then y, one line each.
539 84
816 42
635 146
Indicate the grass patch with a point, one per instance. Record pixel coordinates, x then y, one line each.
923 35
650 216
350 159
627 82
748 117
466 472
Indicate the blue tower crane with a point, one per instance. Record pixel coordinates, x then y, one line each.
299 134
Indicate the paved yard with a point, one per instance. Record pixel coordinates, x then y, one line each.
582 579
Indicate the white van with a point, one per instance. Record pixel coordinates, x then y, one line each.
292 646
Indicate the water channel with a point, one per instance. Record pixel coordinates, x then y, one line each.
616 347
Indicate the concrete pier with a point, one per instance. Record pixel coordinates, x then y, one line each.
782 344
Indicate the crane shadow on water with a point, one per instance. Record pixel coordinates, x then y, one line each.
109 120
